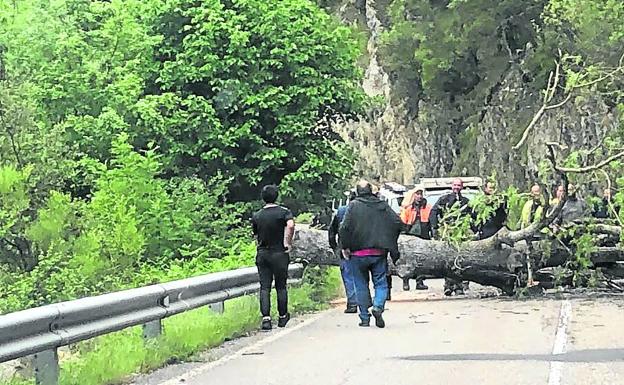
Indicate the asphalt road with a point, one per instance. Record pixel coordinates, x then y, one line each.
431 340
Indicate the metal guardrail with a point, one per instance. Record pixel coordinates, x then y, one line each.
44 329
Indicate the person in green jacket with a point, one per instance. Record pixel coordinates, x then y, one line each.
533 208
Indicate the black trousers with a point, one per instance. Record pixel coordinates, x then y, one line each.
273 265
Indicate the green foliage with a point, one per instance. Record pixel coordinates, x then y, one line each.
560 274
304 218
515 202
15 215
111 358
444 48
584 246
136 229
79 56
232 90
14 198
455 225
241 88
595 26
133 134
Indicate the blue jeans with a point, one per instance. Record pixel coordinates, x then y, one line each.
377 267
348 281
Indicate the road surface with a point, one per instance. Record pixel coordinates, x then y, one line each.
431 340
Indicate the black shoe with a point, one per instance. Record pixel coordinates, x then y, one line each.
406 286
420 285
266 324
364 324
448 292
282 321
379 321
351 309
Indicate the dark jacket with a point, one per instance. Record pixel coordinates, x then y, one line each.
370 223
444 204
334 226
493 223
573 209
601 210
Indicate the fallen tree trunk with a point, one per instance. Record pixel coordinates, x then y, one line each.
477 261
490 262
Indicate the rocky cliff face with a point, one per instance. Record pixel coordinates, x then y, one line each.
403 140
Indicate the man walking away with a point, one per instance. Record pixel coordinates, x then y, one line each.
442 206
369 232
273 227
375 190
345 272
414 214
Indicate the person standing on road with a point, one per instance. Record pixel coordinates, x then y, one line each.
602 209
415 212
558 196
533 208
273 227
497 219
439 210
369 232
345 271
573 209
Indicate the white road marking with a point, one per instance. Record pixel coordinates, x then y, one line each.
561 340
249 350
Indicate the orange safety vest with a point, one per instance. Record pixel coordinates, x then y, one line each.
410 214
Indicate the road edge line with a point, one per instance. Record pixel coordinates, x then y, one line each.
561 340
184 378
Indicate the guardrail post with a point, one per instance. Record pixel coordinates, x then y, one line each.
217 307
152 329
46 367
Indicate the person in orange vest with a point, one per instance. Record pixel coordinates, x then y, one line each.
414 214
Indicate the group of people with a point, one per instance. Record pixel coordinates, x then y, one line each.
574 208
421 219
368 232
365 232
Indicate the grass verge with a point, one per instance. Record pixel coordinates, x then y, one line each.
112 358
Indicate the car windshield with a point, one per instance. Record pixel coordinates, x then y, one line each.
395 203
433 196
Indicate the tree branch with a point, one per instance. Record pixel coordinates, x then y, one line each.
553 82
510 237
610 201
549 93
593 167
601 228
602 78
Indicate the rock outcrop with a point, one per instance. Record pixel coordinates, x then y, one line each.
403 140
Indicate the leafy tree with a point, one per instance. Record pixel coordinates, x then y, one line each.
458 48
223 88
593 27
241 89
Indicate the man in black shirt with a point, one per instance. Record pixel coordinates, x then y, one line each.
273 227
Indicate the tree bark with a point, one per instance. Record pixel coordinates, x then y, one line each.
490 262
